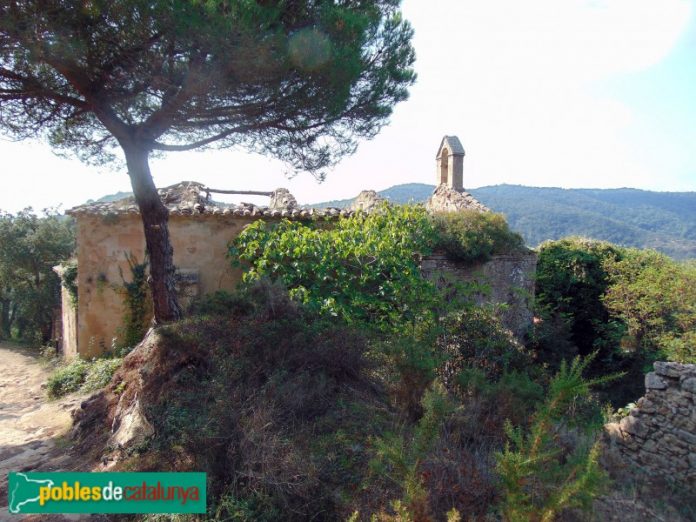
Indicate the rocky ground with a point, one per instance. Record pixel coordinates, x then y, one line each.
32 429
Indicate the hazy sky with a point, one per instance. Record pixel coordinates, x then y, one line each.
586 93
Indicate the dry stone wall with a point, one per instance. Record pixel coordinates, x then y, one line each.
659 435
505 279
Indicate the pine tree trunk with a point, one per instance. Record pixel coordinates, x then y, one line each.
155 218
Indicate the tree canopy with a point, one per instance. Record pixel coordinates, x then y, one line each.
29 289
299 80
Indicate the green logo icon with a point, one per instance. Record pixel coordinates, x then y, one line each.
24 490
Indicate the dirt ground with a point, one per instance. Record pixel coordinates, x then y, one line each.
32 428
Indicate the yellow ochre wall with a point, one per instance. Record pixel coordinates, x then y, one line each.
200 244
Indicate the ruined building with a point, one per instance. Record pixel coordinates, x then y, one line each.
110 233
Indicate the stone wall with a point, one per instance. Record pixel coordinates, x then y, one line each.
659 435
200 248
505 279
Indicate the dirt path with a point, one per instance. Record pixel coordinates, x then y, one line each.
31 426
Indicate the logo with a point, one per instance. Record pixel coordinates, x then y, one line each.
70 492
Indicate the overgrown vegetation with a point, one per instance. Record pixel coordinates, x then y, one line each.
472 236
137 304
338 384
540 478
631 306
81 375
364 269
29 288
69 280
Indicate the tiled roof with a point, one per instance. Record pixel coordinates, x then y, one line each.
192 199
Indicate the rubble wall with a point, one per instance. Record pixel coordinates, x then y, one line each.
659 435
505 279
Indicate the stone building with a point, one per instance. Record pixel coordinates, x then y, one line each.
109 233
200 231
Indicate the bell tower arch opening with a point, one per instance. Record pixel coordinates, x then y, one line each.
444 165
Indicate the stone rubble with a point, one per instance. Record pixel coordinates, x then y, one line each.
659 434
189 198
448 199
366 201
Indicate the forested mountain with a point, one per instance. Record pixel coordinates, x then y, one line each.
665 221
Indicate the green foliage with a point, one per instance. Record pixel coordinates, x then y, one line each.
29 289
364 269
571 282
632 306
69 280
81 375
67 379
656 298
300 81
100 373
219 302
274 401
472 236
475 338
137 303
539 477
399 457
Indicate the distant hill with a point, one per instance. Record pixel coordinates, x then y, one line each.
111 197
665 221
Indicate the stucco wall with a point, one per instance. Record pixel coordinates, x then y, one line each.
200 247
505 279
68 324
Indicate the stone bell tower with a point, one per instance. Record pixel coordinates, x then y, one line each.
450 163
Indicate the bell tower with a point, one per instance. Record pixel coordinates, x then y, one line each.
450 163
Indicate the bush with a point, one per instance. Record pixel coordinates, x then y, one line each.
472 236
274 401
363 269
81 375
99 373
475 338
68 378
218 303
540 477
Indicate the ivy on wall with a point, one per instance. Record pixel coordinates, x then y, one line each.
137 302
68 279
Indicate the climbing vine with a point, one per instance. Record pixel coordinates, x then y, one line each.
69 281
137 302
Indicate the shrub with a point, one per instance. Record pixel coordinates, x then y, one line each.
475 338
539 476
472 236
99 373
364 268
218 303
274 401
68 378
81 375
399 457
656 298
571 282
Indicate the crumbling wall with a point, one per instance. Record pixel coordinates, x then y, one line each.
658 437
505 279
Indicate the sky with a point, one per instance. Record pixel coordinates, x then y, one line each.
562 93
